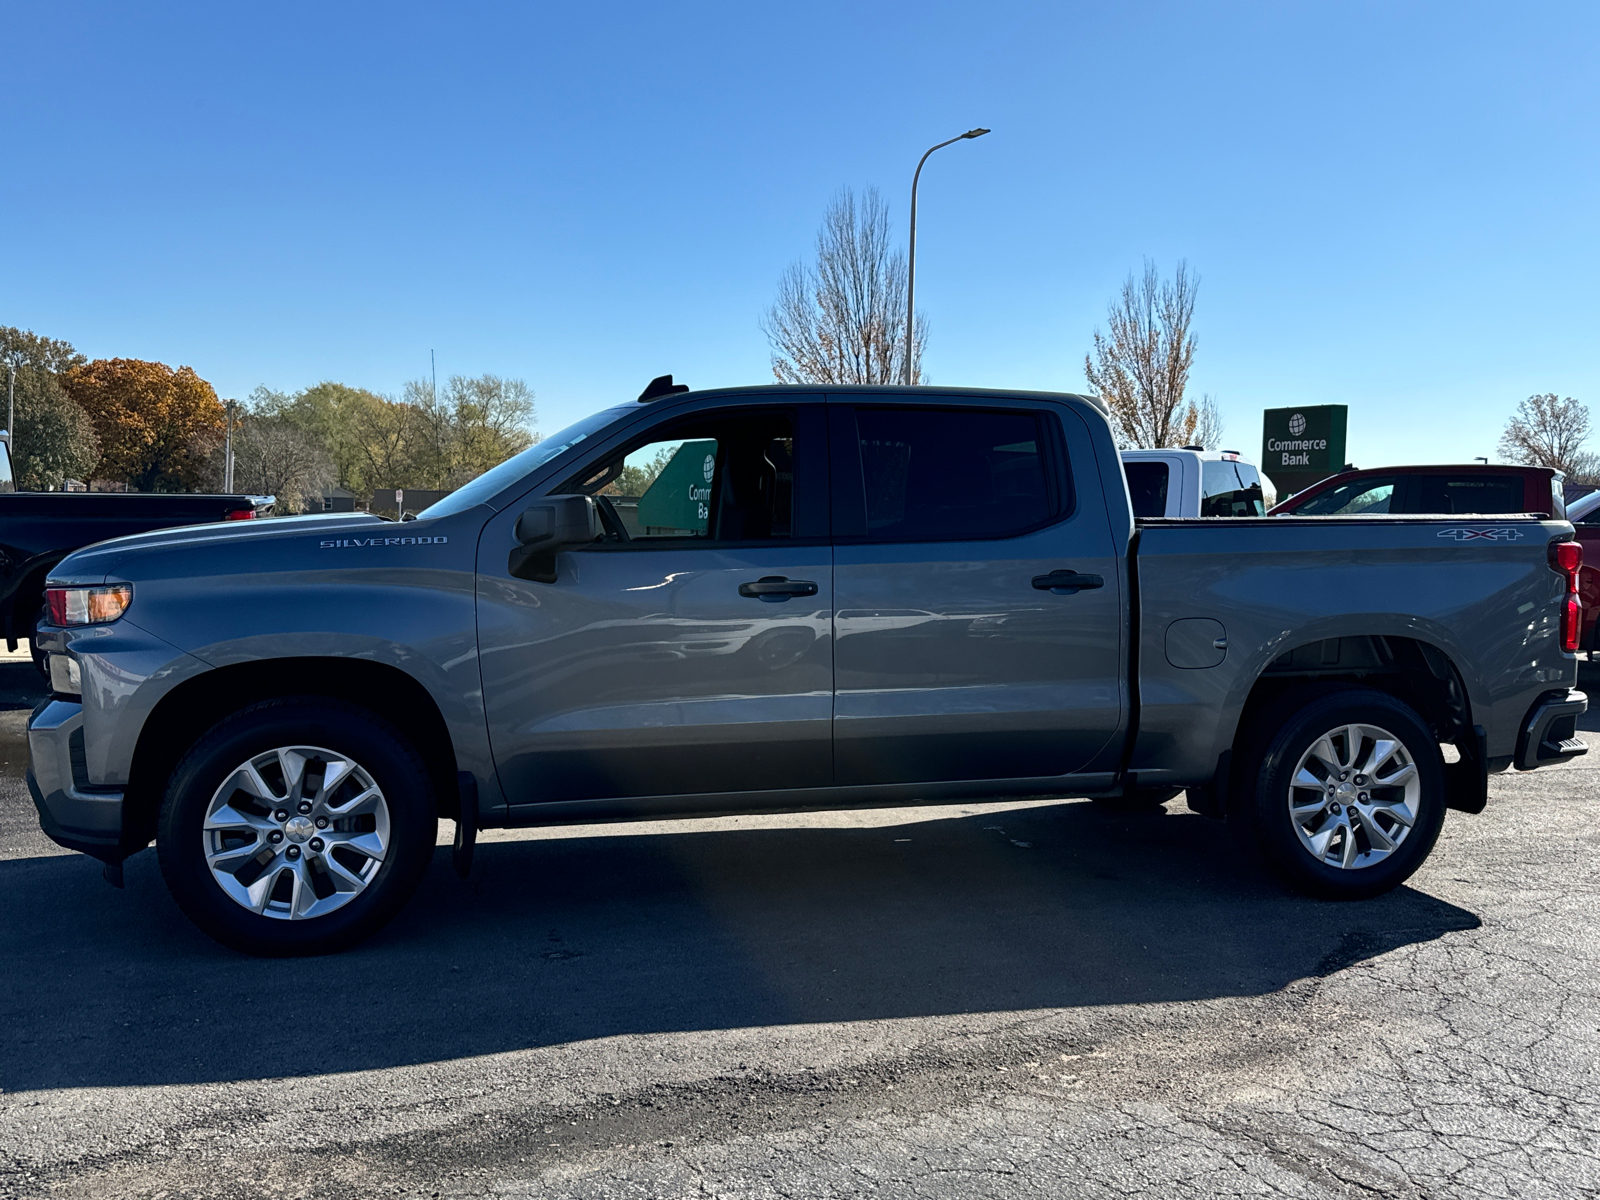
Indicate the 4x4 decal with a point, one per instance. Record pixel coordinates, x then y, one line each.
1503 534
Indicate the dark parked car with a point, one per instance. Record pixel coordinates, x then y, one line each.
39 529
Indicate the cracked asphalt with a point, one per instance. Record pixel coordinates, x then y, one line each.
983 1000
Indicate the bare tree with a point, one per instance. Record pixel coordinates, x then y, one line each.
1141 370
273 457
842 320
1549 431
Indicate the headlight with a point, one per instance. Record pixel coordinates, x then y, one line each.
87 605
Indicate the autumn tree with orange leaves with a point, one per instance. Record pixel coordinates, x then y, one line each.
156 426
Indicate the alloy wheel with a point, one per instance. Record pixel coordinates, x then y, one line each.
296 832
1354 796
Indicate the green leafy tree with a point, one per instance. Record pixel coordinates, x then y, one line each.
474 425
330 415
27 347
53 440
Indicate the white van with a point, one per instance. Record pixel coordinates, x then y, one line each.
1190 482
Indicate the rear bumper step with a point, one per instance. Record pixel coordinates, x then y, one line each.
1550 732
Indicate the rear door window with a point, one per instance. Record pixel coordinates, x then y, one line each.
953 474
1355 498
1230 489
1466 494
1147 487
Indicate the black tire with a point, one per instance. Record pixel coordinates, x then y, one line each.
382 752
1264 809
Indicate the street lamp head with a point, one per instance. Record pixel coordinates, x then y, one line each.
972 133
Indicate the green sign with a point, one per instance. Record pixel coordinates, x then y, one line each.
1300 446
679 501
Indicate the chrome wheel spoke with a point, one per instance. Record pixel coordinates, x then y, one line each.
344 879
369 845
333 776
1401 813
1305 779
1322 750
261 891
230 861
1400 776
363 802
225 817
1376 834
267 817
1319 842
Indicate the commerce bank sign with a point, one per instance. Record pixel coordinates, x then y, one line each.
1300 446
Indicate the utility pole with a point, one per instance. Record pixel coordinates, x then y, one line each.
911 258
227 453
433 370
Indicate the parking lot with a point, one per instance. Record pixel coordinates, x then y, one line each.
1038 999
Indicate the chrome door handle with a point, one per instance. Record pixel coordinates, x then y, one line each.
1065 583
776 587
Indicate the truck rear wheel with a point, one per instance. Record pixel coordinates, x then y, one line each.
296 826
1349 795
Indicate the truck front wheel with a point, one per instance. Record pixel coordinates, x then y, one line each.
1349 795
296 826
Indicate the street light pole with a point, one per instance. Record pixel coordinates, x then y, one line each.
911 257
227 453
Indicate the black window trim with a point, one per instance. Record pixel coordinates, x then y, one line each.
849 494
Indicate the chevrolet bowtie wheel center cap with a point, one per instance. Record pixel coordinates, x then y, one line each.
299 829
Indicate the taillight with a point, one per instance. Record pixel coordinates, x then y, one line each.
1567 559
241 514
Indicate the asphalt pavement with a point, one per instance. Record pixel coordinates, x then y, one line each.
1036 999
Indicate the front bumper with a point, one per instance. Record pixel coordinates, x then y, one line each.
71 812
1550 730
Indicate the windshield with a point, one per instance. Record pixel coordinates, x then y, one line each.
497 479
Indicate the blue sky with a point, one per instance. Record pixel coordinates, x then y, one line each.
1392 205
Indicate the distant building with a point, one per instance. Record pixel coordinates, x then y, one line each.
338 500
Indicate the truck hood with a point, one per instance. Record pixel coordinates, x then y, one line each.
94 563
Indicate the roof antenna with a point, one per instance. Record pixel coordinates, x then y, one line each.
661 385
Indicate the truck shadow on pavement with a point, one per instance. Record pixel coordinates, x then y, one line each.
575 936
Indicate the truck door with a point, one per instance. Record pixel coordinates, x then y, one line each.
691 650
978 613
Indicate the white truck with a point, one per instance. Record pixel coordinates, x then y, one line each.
1191 482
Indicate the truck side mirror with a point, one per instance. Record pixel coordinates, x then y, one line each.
547 528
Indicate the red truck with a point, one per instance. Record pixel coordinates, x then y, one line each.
1476 489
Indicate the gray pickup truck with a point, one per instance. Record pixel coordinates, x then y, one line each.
781 598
